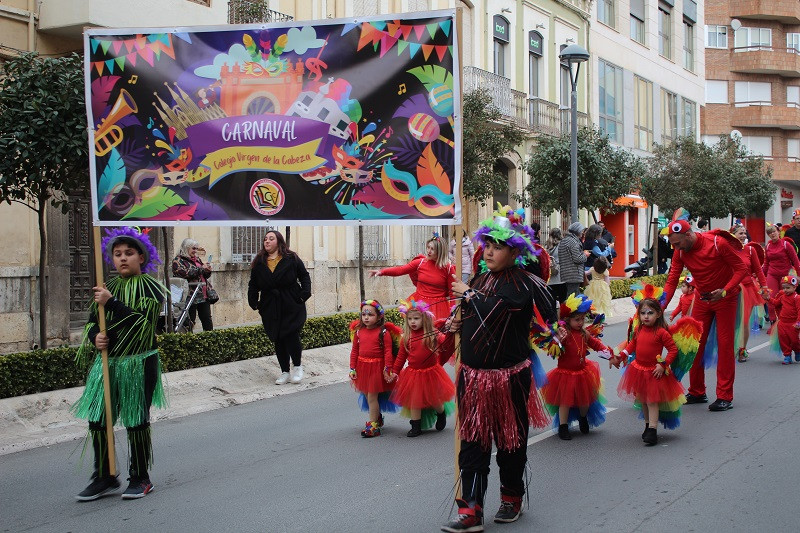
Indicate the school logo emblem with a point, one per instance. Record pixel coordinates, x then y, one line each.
266 197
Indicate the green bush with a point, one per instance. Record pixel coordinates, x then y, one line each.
45 370
621 288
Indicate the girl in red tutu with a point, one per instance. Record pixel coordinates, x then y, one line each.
754 291
370 359
574 389
647 381
423 390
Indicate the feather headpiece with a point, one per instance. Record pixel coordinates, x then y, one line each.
640 292
791 280
508 227
575 303
146 248
679 222
374 303
415 305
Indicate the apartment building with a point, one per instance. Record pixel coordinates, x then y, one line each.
648 62
753 90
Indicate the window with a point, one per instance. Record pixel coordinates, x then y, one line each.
501 32
748 39
669 117
793 42
747 93
717 37
637 20
793 149
606 13
688 46
643 114
533 75
716 92
566 86
363 8
758 145
689 118
246 241
664 31
709 140
793 96
376 243
418 5
610 116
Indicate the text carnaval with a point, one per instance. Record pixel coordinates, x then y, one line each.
269 130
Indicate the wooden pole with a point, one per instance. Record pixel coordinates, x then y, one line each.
656 237
101 323
464 221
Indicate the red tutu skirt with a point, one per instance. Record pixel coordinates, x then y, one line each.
423 387
369 376
440 305
638 383
575 388
752 301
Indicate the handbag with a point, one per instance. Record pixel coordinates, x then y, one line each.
211 295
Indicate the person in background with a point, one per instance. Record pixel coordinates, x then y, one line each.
558 287
594 245
188 265
572 258
793 231
605 234
467 251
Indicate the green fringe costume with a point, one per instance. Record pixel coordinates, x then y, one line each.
134 370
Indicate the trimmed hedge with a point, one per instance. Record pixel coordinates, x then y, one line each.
53 369
621 288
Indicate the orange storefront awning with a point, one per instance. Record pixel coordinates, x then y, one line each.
631 200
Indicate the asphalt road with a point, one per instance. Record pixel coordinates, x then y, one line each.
297 463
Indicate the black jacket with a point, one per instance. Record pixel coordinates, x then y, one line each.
280 296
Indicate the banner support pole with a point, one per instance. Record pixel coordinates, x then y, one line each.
459 254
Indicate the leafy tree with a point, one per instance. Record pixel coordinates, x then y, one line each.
708 181
484 142
43 140
604 172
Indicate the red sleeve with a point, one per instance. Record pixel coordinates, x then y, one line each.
447 347
354 351
675 269
388 358
402 356
669 344
755 268
765 266
596 344
631 346
734 259
402 270
776 301
680 309
792 255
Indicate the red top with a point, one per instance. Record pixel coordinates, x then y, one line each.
366 345
779 258
649 342
787 307
750 258
433 283
418 354
684 305
712 262
576 346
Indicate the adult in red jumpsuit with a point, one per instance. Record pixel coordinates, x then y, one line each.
780 257
717 267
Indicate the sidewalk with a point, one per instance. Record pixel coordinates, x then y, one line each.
44 419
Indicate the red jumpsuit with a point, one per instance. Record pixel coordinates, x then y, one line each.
638 382
779 258
423 383
575 381
788 309
369 360
684 305
714 264
432 283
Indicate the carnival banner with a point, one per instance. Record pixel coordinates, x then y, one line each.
330 122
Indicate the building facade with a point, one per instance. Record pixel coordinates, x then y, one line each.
753 91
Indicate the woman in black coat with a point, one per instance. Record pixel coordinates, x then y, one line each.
279 287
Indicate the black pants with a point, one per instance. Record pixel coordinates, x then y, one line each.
204 310
288 347
474 461
559 291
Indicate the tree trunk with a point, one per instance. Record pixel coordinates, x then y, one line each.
361 263
168 324
41 212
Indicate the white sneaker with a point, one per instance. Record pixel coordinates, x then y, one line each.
282 379
297 374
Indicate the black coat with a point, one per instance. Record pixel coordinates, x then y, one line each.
280 296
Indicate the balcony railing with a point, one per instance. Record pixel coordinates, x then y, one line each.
784 12
762 59
783 115
532 113
785 168
253 11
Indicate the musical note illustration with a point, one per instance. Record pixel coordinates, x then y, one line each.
401 89
133 79
150 124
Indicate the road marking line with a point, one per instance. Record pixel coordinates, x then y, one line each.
756 348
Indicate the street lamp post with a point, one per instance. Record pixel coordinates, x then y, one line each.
574 54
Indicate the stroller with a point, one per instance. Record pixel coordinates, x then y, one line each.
184 295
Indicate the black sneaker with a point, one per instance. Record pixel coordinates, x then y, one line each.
99 487
720 405
464 523
699 398
650 436
583 425
644 433
441 421
137 489
509 511
563 432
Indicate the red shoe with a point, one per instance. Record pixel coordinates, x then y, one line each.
469 519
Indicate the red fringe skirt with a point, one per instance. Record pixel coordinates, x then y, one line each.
575 388
369 376
752 300
419 388
486 407
638 383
